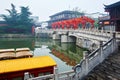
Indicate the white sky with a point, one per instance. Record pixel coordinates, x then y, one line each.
45 8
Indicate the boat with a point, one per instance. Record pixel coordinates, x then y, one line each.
23 53
7 54
15 69
12 53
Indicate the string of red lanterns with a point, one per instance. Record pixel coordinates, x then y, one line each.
73 23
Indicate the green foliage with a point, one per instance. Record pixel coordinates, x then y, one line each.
18 22
12 18
2 29
24 16
96 23
21 29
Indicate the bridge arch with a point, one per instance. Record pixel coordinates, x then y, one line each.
72 38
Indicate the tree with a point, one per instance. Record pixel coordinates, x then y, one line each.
24 16
24 19
12 18
18 22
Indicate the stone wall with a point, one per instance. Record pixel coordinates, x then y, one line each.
16 35
87 43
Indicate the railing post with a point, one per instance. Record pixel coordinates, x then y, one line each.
101 51
114 46
85 56
26 75
56 73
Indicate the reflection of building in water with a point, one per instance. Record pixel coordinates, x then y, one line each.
64 57
17 43
69 53
39 42
64 46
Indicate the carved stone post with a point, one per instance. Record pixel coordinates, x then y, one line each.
85 56
101 51
56 73
114 45
26 75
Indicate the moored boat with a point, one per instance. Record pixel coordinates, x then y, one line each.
14 69
7 54
23 52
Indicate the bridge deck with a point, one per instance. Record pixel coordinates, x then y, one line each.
108 70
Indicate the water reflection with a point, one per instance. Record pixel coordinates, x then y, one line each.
65 54
63 57
17 43
68 52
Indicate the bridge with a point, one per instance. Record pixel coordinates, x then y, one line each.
88 38
87 33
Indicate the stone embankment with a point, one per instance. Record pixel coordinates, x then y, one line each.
15 35
108 70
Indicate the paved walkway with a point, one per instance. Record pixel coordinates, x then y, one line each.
108 70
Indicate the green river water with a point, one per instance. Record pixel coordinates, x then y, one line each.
66 55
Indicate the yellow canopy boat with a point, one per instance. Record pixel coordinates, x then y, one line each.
10 69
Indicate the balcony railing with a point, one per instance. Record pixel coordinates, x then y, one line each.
104 18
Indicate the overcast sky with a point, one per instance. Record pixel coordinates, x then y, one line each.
45 8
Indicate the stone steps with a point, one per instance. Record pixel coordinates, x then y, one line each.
108 70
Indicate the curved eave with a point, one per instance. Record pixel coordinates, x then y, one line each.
112 5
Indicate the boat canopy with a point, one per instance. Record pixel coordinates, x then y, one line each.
6 50
14 65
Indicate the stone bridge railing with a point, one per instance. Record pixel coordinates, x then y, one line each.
86 65
93 32
93 59
56 76
90 36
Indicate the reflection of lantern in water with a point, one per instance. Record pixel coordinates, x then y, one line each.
33 44
33 30
64 58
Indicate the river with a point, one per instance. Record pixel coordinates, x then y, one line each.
66 55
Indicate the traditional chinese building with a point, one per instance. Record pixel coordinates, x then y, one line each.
111 22
64 15
75 23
